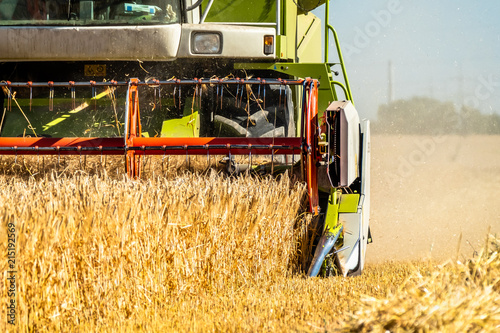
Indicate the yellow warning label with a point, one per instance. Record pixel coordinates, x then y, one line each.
95 70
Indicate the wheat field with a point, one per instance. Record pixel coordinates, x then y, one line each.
198 251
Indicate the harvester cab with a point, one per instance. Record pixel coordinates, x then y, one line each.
193 77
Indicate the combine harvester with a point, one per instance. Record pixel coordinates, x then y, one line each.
188 77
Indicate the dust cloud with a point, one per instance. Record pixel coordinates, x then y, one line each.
429 190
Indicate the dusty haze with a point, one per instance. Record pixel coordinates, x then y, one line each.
426 191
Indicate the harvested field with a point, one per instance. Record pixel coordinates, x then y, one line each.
427 191
198 251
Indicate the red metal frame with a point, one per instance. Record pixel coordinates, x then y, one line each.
311 154
150 146
134 146
133 130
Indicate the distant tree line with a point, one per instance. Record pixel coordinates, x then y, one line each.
423 115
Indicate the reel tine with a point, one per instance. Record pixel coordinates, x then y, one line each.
73 94
80 156
187 157
217 98
250 157
264 102
51 96
195 94
163 159
241 94
272 160
38 158
285 99
208 156
58 158
279 100
258 90
201 95
30 85
9 96
92 83
9 102
159 95
237 92
174 93
179 95
221 95
144 159
156 91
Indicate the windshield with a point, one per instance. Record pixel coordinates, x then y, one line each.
88 13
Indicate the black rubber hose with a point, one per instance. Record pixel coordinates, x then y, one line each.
196 4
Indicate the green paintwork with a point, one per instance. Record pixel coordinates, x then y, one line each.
300 44
241 11
349 203
281 46
332 212
309 39
185 127
289 28
299 41
339 203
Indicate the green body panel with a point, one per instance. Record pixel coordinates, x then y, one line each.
309 39
299 53
289 28
349 203
252 10
241 11
332 212
339 203
185 127
298 44
300 34
281 47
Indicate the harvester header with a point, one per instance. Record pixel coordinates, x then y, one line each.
185 77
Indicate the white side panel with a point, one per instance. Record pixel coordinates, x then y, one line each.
365 187
349 141
356 225
193 16
349 254
352 141
158 42
237 41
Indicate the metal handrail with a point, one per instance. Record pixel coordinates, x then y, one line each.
205 12
328 29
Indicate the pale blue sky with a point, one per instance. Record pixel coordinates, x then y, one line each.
438 49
